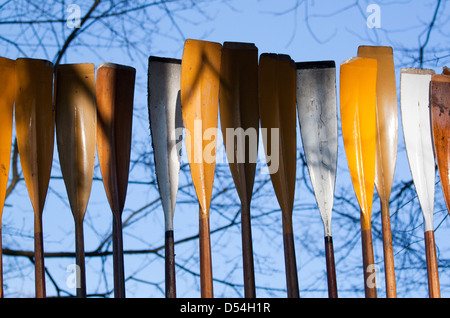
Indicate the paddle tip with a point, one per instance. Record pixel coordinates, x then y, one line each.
278 57
163 60
116 66
315 65
33 61
360 61
418 71
239 46
441 78
379 49
75 68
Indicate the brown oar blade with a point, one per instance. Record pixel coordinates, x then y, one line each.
440 119
76 126
358 119
386 148
7 92
239 117
277 108
35 118
114 96
200 69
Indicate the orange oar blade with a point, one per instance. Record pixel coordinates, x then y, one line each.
7 92
200 69
440 119
358 116
35 125
76 126
114 95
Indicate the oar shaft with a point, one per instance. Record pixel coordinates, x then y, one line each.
1 264
290 261
389 269
80 260
170 265
247 252
432 266
368 264
206 278
331 268
39 268
118 264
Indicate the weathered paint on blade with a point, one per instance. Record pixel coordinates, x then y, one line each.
35 119
114 95
76 126
200 69
317 114
239 113
387 117
277 107
414 105
440 119
358 118
164 107
7 92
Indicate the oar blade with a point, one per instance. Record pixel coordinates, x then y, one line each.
387 117
440 119
358 119
317 114
7 92
34 118
76 126
164 107
414 105
114 97
277 108
200 70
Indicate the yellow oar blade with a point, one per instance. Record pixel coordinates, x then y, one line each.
76 126
35 126
7 92
200 69
358 118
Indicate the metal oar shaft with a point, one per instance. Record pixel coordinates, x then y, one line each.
368 264
391 290
39 257
331 268
247 252
432 266
206 278
119 272
170 265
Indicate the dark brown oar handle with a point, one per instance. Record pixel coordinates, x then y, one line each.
370 288
206 278
247 248
432 266
331 268
290 261
118 264
80 260
170 265
39 257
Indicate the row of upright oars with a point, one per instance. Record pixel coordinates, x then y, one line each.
86 112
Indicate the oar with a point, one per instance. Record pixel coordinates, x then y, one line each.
164 107
115 93
76 127
440 119
358 119
317 114
239 117
35 128
277 108
200 69
386 149
414 102
7 91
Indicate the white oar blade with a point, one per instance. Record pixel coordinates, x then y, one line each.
414 103
165 124
317 113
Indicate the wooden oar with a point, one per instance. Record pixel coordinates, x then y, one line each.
115 93
277 108
35 128
317 114
7 92
200 69
76 127
440 119
358 78
239 116
414 102
164 107
386 148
